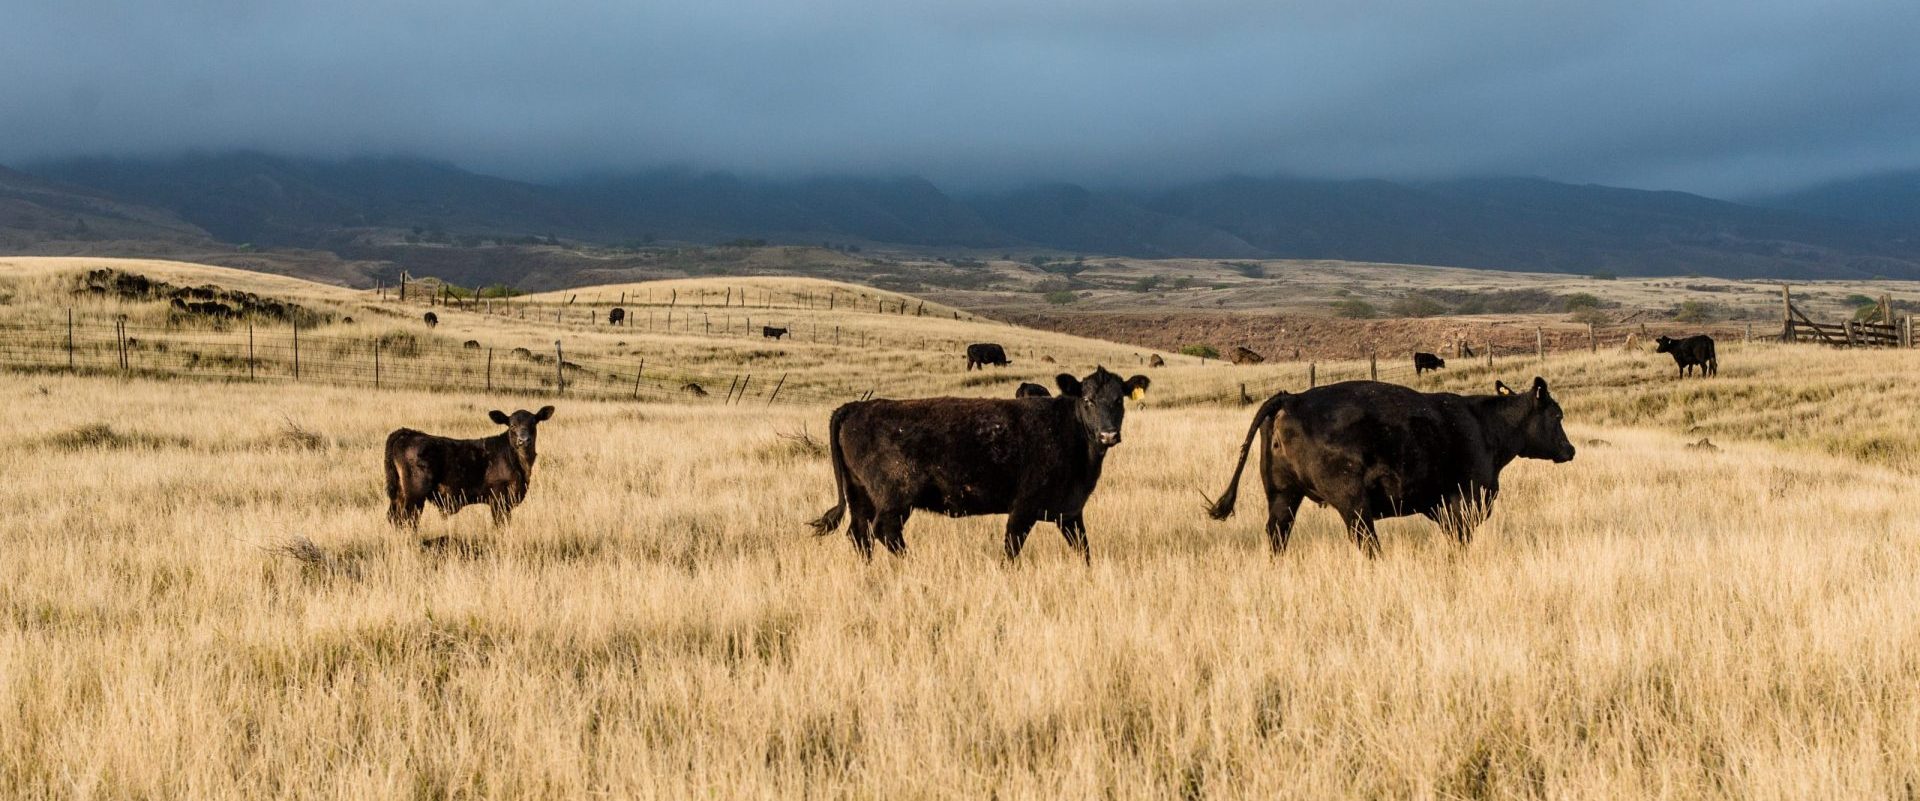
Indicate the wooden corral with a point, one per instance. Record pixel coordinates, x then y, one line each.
1879 330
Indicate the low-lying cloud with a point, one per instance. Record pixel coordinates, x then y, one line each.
1718 97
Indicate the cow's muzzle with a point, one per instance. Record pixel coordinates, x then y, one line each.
1108 438
1564 456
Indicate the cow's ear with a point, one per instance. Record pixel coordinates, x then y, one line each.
1069 386
1540 389
498 416
546 412
1137 386
1501 388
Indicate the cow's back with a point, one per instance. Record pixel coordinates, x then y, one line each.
960 455
1419 444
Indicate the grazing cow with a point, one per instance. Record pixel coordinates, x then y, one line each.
1373 450
452 473
694 389
1031 390
617 316
523 353
981 354
1244 355
1690 352
471 344
1422 362
431 319
1029 459
348 319
1156 361
772 333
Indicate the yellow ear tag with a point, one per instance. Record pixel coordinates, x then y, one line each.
1138 393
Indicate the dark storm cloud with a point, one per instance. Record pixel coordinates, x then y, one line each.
1720 97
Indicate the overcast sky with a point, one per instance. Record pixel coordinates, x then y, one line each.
1723 98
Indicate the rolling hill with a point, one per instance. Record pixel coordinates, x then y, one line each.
356 206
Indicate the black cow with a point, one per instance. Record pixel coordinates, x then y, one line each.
1029 459
772 333
616 316
1422 362
1690 352
1031 390
471 344
453 473
1373 450
981 354
431 319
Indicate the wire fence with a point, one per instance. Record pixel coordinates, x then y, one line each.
392 360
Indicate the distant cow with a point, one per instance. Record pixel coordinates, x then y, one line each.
205 309
431 319
523 353
1031 390
1690 352
1422 362
1244 355
1156 361
772 333
694 389
981 354
452 473
1029 459
1373 450
616 316
471 344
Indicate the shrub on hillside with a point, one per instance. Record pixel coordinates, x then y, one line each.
1202 351
1354 309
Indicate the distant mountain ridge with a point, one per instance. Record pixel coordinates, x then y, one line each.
1492 223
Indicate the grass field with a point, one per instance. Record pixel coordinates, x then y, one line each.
1649 620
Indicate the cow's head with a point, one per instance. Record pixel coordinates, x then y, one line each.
1541 434
1664 344
1099 402
523 427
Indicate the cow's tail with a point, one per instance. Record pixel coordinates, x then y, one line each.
1223 508
830 520
1713 360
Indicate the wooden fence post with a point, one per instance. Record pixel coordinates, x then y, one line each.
1540 342
376 363
559 369
743 385
1313 375
776 389
730 388
636 378
1489 354
296 349
1373 365
489 369
69 340
251 374
1593 340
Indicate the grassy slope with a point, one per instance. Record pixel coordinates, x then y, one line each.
1647 621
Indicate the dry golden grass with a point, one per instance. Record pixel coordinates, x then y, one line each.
200 598
1647 621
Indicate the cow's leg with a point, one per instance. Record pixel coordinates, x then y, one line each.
1073 526
1282 505
1019 523
860 524
1360 523
404 512
889 528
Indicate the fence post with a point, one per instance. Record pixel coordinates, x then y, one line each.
1489 354
1593 340
296 349
69 340
559 369
743 384
1540 342
735 384
1373 365
776 389
251 374
1749 339
1313 375
636 378
489 369
376 363
120 333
